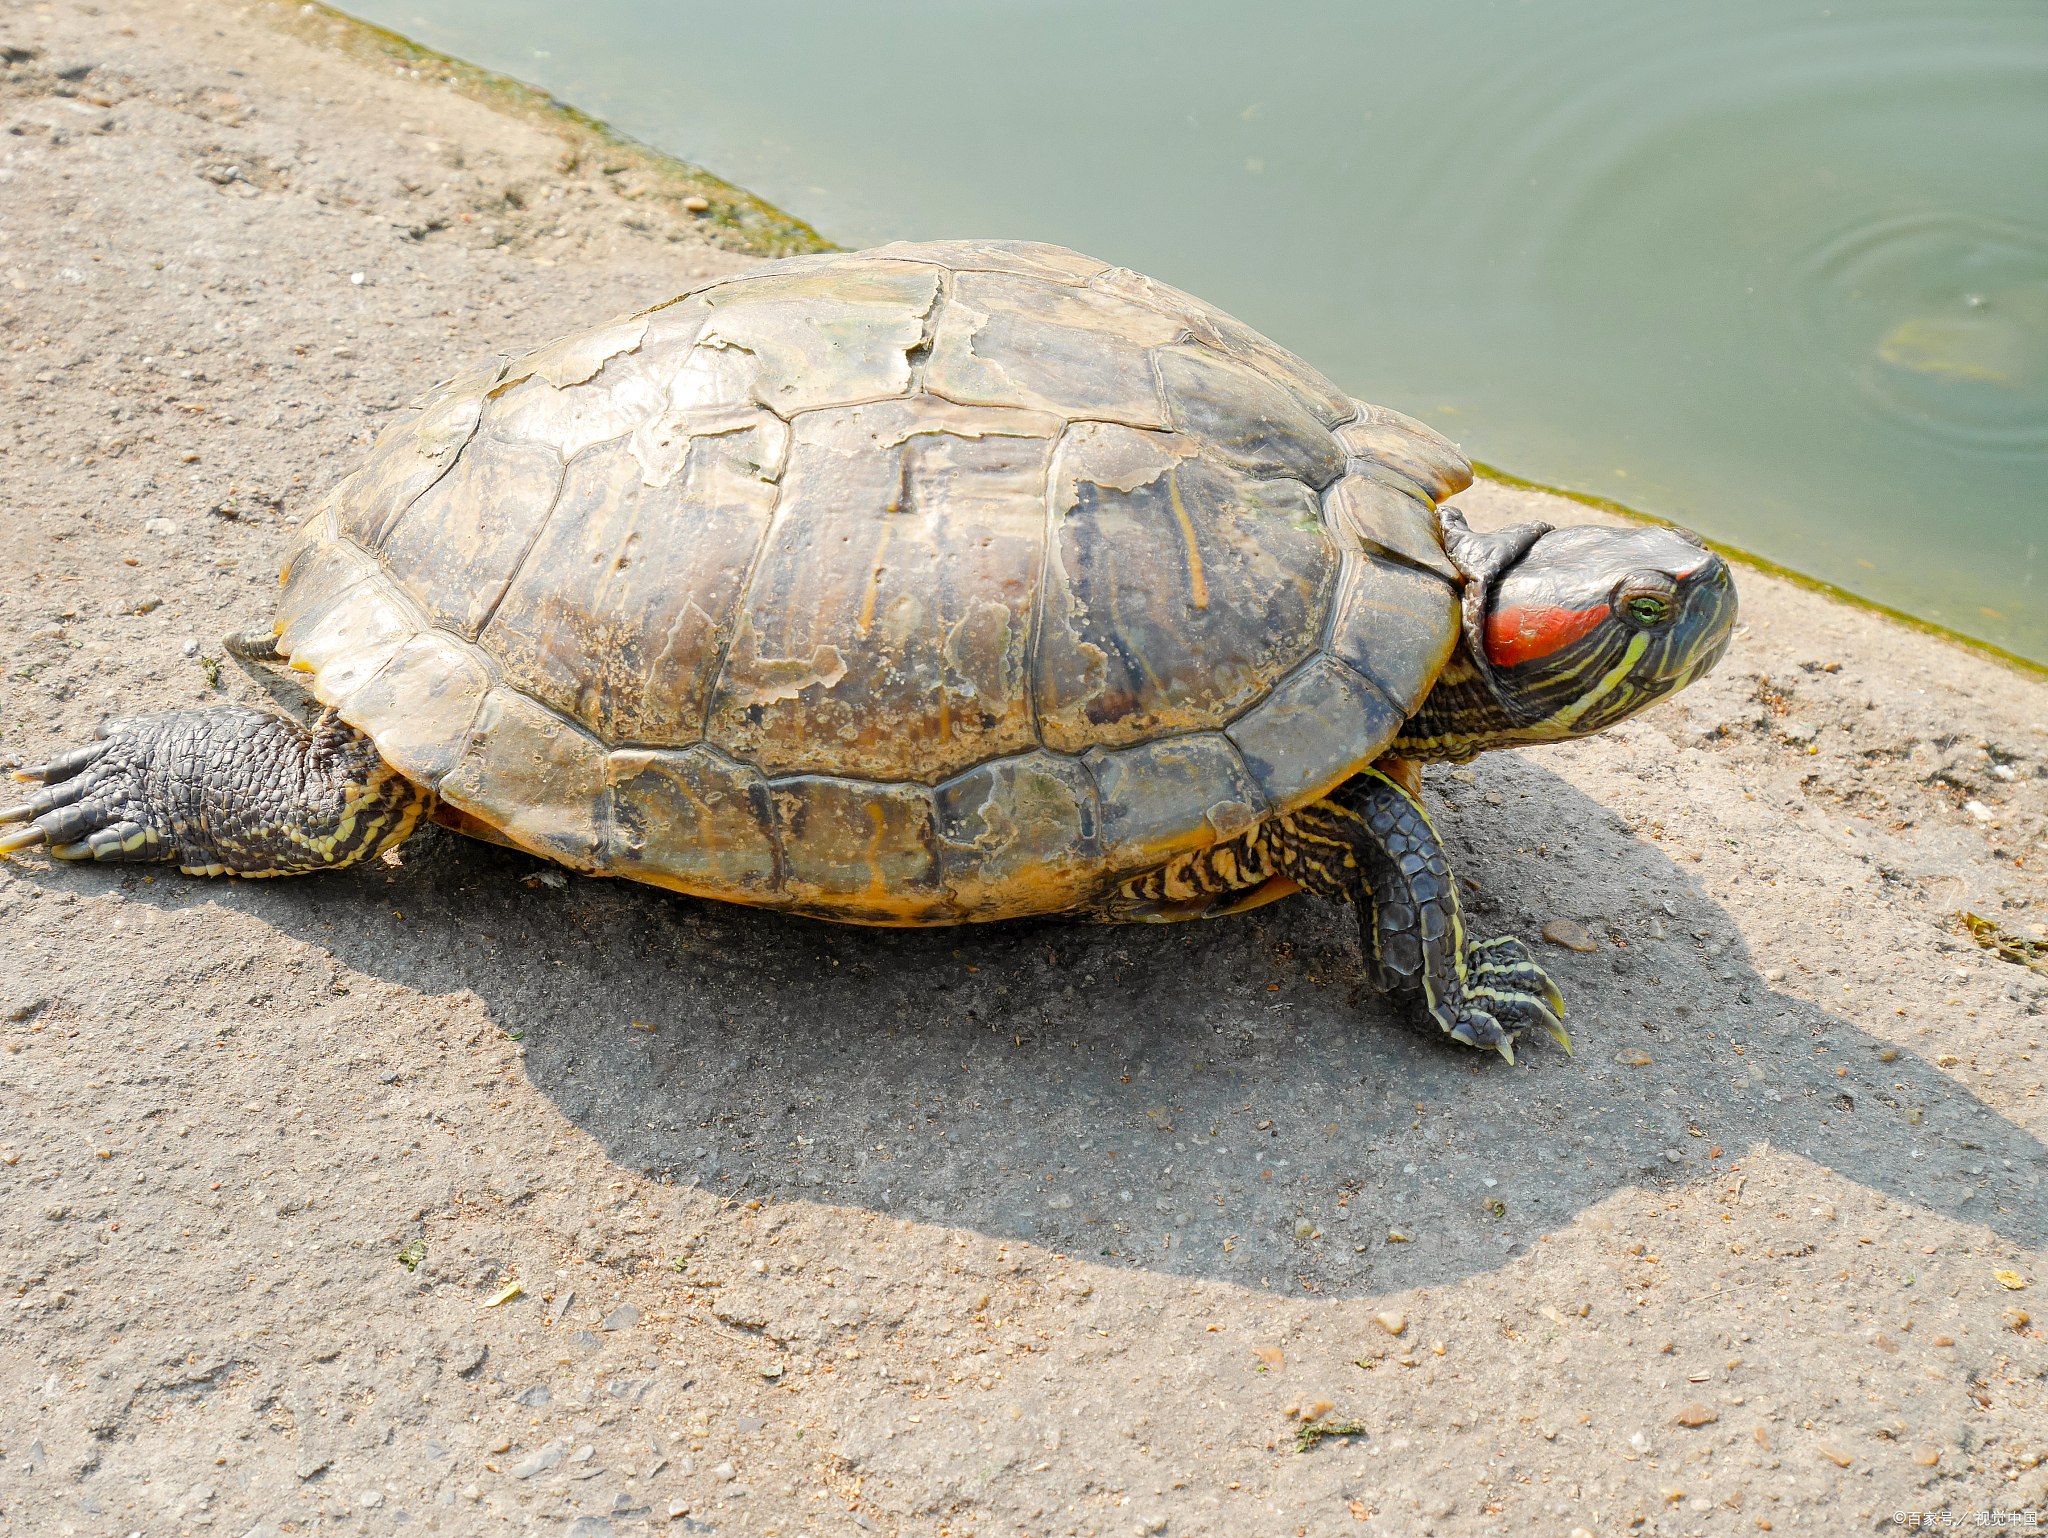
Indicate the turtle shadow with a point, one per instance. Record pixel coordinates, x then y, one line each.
1216 1100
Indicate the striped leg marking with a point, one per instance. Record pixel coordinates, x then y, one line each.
1371 841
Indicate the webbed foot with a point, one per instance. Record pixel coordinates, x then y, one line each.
1504 992
1370 841
226 790
85 810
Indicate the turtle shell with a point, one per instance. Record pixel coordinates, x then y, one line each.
909 586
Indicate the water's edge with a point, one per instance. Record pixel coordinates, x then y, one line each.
734 219
741 221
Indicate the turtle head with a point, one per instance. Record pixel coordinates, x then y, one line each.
1568 631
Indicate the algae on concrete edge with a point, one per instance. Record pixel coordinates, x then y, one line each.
733 218
1772 569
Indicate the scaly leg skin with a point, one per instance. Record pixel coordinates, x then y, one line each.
223 791
1370 839
1368 842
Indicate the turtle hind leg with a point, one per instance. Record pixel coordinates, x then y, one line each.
223 791
1370 842
1230 877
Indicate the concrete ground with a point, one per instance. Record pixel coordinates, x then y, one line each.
1035 1228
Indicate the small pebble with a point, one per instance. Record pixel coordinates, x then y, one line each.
1573 937
1393 1321
371 1499
1696 1414
1634 1057
548 1457
723 1472
678 1508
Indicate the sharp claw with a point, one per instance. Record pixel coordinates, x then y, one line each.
20 813
1556 998
78 851
1507 1050
1544 1017
1558 1033
26 838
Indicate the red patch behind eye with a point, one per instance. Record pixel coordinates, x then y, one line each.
1515 636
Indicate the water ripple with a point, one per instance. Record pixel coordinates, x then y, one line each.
1941 320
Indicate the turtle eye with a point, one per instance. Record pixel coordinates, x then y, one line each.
1647 600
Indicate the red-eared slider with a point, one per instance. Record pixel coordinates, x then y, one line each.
924 585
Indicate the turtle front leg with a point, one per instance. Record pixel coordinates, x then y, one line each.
1370 842
228 790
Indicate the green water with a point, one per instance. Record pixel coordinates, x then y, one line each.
1778 271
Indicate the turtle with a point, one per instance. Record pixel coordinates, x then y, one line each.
931 584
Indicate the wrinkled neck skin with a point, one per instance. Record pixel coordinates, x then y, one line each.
1461 717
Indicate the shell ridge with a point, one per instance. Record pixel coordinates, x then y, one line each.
1375 549
1278 747
920 353
1348 558
397 514
372 575
629 760
705 684
1048 552
742 610
540 525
